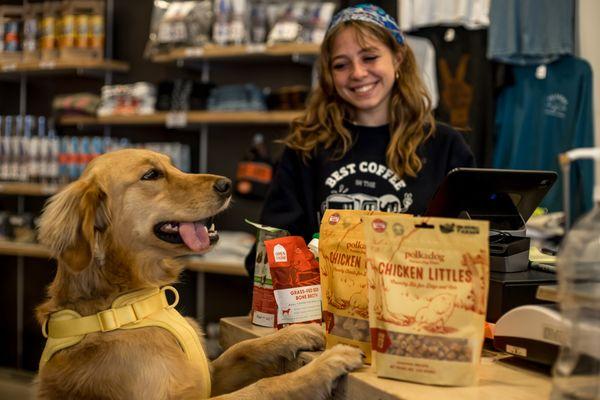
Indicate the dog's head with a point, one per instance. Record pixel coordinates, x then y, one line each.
130 211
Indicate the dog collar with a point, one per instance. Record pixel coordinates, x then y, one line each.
132 310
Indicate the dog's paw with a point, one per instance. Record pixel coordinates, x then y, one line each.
301 337
318 379
339 360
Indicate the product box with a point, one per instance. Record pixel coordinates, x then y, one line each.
264 307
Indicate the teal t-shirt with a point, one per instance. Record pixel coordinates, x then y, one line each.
536 119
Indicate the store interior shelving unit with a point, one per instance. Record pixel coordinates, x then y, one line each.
265 65
24 73
187 118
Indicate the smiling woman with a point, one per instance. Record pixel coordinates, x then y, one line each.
363 74
370 108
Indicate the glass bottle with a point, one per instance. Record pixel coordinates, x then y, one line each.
576 372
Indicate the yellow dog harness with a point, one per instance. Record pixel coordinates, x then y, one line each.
137 309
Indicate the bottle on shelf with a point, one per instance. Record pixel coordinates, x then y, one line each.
576 372
15 148
35 152
24 149
221 27
2 150
6 149
53 154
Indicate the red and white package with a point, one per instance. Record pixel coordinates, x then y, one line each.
296 281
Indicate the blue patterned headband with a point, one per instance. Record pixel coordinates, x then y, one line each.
368 13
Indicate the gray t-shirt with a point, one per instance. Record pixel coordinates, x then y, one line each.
529 32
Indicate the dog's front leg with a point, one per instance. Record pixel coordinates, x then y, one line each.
314 381
248 361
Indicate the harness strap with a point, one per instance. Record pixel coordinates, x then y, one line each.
110 319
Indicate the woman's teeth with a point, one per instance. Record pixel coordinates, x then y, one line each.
365 88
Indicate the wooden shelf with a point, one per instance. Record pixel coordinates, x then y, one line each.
61 66
192 263
29 189
23 249
189 118
211 52
215 267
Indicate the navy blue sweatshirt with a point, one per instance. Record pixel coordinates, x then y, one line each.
300 192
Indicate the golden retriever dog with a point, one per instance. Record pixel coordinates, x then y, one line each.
121 227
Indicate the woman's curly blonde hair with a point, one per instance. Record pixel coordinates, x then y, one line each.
409 113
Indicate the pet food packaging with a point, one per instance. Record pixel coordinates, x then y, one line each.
296 281
264 308
344 279
428 285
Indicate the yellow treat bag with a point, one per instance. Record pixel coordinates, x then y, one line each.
344 280
428 285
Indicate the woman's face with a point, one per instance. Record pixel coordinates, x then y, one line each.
363 76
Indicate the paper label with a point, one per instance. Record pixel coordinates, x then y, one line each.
298 304
280 253
519 351
263 319
176 120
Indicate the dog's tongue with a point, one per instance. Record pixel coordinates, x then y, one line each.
194 235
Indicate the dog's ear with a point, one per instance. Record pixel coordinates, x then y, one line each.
71 221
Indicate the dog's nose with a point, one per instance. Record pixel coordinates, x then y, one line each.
223 187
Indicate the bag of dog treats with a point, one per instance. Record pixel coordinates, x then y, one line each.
344 279
296 281
264 308
428 285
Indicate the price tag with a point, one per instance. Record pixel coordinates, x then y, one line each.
176 119
541 71
47 64
256 48
194 52
48 189
9 67
449 35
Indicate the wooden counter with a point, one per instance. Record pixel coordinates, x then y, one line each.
499 379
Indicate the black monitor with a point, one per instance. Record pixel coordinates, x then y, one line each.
505 197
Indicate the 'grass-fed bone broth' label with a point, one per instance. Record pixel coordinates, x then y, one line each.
428 284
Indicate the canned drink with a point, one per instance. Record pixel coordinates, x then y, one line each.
97 31
31 34
82 31
12 40
67 31
48 34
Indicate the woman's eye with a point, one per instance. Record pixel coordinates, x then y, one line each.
152 175
338 66
370 58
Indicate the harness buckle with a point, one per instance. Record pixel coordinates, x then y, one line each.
108 320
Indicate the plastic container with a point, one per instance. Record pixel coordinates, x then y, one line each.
313 246
576 373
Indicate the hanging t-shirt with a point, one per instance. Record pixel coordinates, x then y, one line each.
540 116
425 57
527 32
472 14
465 84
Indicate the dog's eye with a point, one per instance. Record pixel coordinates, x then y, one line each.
152 175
